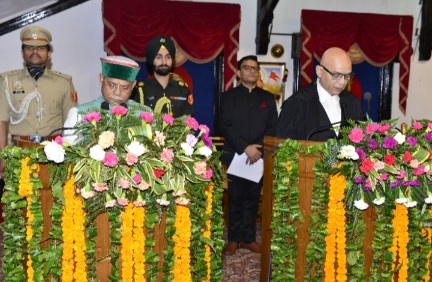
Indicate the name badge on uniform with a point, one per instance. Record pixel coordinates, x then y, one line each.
18 88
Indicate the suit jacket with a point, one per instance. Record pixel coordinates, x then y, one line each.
302 116
245 118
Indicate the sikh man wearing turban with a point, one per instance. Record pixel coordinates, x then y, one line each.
163 93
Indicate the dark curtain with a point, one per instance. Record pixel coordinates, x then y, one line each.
379 38
200 30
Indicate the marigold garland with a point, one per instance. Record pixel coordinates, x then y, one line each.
400 241
74 241
127 246
336 239
207 232
25 189
182 239
139 243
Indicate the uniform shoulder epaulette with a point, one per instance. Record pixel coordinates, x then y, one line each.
139 84
178 78
66 76
7 73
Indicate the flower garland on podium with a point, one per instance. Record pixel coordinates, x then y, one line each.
140 168
372 164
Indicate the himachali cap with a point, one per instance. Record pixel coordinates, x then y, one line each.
35 36
120 67
156 44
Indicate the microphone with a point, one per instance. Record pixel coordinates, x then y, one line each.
105 105
322 128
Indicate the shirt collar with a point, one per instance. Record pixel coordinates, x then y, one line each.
324 96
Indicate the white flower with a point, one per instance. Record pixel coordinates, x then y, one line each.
348 152
97 153
87 194
204 151
191 140
361 204
136 148
400 138
428 200
410 204
187 148
54 152
379 200
401 200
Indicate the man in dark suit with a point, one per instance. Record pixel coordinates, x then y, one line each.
247 114
313 113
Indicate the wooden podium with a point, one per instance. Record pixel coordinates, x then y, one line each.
305 186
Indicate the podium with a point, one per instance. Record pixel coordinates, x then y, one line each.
305 186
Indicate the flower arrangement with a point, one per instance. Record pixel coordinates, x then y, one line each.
387 165
372 165
139 168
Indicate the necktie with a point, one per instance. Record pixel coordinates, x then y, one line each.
36 72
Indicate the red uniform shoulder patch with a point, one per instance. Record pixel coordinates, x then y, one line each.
74 96
190 99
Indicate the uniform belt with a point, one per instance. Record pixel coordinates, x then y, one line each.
34 138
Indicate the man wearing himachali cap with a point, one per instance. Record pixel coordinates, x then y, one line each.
117 80
34 100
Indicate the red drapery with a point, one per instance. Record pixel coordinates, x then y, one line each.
200 30
379 38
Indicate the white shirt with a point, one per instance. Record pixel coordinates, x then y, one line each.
331 104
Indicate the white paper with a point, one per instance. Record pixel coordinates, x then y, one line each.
238 167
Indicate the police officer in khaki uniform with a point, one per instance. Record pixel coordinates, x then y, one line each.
35 100
164 92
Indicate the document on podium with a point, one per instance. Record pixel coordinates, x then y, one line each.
238 167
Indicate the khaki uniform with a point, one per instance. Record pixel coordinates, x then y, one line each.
53 95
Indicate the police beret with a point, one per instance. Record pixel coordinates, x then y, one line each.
154 46
35 36
120 67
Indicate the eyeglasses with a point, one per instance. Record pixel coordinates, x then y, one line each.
29 48
338 75
250 68
112 86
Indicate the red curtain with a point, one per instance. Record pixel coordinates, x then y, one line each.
380 38
200 30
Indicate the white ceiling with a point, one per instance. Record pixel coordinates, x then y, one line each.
10 9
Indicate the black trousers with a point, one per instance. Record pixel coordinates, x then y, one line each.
243 200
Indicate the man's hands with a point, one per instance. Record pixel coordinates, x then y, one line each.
253 153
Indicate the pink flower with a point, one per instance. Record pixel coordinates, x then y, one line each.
106 139
167 155
110 204
420 170
182 201
92 117
200 168
168 119
204 129
417 125
123 202
429 125
147 117
110 159
159 138
401 174
87 194
131 159
123 183
208 174
378 165
139 203
383 128
192 123
59 140
371 128
119 110
137 178
99 187
356 135
143 186
414 163
163 202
